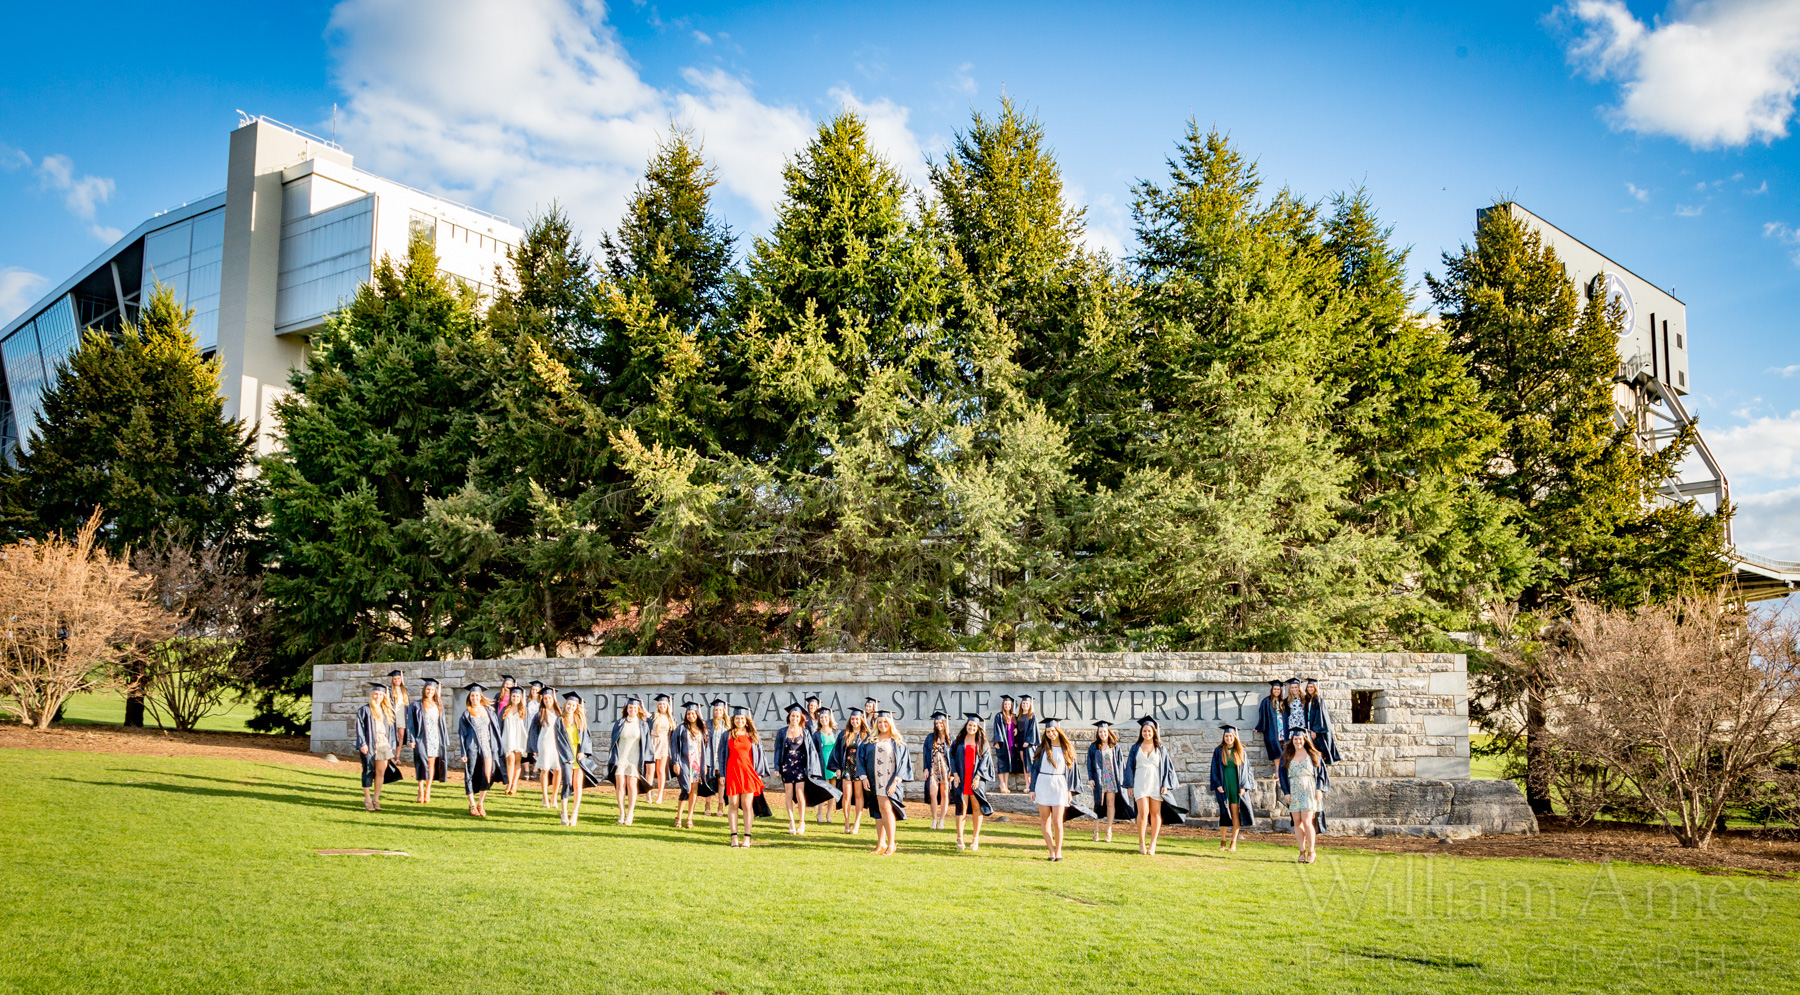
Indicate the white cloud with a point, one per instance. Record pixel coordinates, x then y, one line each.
82 195
1786 371
1768 523
1767 447
1640 193
1759 190
1784 234
1714 72
18 289
1107 226
1684 211
513 105
702 37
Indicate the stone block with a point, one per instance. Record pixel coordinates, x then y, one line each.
1454 682
1442 768
1498 807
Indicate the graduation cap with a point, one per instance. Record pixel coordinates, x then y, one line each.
379 685
571 696
740 710
794 706
1298 734
507 677
395 673
1024 697
691 704
939 714
537 684
430 682
812 697
856 711
663 697
634 700
1312 680
884 714
1228 727
1006 697
972 716
1050 723
1275 683
1293 680
473 688
871 701
1147 720
716 702
1103 724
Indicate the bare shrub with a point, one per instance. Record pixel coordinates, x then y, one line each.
1686 703
72 615
185 678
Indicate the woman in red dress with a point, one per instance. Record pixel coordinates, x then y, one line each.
743 772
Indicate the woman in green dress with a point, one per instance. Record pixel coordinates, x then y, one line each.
1232 781
825 732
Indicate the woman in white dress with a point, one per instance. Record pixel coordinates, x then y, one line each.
429 729
513 735
626 761
544 742
1146 768
1053 783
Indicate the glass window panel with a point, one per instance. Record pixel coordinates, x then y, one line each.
209 231
325 257
168 248
58 334
24 378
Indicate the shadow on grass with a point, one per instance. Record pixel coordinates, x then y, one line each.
1443 962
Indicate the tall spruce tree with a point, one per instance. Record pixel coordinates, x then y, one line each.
1584 495
1227 528
384 417
1412 423
134 424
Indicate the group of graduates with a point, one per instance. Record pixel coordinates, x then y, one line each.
712 756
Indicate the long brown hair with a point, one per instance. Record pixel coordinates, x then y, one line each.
474 701
698 724
1109 733
981 736
749 725
856 729
1290 752
1234 755
1155 735
430 692
1044 746
515 704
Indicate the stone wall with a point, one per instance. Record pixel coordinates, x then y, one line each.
1418 728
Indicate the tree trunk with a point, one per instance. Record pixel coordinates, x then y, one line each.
134 697
1538 769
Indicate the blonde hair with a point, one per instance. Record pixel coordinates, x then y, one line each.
397 695
515 705
891 731
382 707
719 719
826 719
476 699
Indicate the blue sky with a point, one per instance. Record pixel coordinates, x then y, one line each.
1658 134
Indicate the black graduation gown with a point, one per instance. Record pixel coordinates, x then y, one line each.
1318 722
1122 808
1215 783
689 778
903 772
477 775
365 736
1172 814
415 731
983 776
1269 726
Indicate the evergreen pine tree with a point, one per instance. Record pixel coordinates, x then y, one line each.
135 425
385 416
1227 529
1414 427
1583 494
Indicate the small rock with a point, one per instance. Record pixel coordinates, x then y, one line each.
331 758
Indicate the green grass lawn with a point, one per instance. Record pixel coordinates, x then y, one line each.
139 874
109 709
